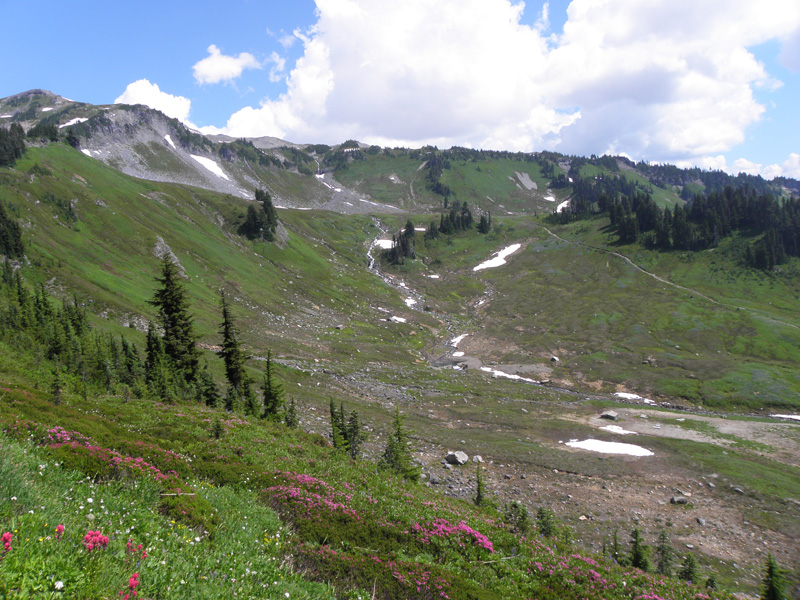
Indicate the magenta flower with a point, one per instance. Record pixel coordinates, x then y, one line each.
59 531
94 539
6 541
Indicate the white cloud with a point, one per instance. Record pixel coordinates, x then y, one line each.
790 51
149 94
218 67
665 80
278 69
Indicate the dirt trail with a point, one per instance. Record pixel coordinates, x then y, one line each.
752 311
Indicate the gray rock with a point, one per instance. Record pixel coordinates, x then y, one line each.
679 500
433 479
610 415
456 458
477 458
738 490
701 521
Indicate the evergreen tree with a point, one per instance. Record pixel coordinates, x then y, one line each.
217 430
11 245
291 419
639 551
772 583
209 393
272 390
664 554
515 514
355 435
56 386
231 353
337 429
176 321
231 399
480 491
396 456
688 571
546 522
158 374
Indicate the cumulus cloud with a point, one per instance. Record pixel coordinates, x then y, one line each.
665 80
149 94
218 67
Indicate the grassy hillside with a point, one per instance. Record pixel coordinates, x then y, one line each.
313 302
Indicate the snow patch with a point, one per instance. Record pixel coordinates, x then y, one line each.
86 152
550 198
210 165
6 116
457 340
458 354
74 121
618 429
397 319
410 302
384 244
610 447
433 277
562 206
420 229
499 259
170 142
627 396
47 109
793 417
368 202
496 373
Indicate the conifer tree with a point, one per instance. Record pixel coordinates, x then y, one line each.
688 570
231 353
56 385
664 554
396 456
355 435
209 393
639 551
158 374
772 583
291 419
546 522
338 429
480 491
176 321
272 390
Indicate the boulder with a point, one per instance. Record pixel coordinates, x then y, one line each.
456 458
679 500
477 458
610 415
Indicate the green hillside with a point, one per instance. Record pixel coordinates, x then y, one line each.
254 508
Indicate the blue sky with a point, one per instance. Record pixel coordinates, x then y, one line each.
714 83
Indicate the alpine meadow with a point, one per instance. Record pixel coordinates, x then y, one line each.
252 368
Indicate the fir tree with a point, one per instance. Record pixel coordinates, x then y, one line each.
772 583
217 430
639 551
272 390
209 393
337 429
291 418
355 435
546 522
688 570
515 514
56 386
664 554
396 456
231 353
480 491
176 321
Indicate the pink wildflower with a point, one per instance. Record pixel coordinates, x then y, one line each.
59 531
6 541
94 539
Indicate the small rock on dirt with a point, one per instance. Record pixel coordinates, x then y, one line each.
679 500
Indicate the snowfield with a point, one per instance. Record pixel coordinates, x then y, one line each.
610 447
793 417
562 206
499 259
457 340
170 142
210 165
74 121
384 244
618 429
496 373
